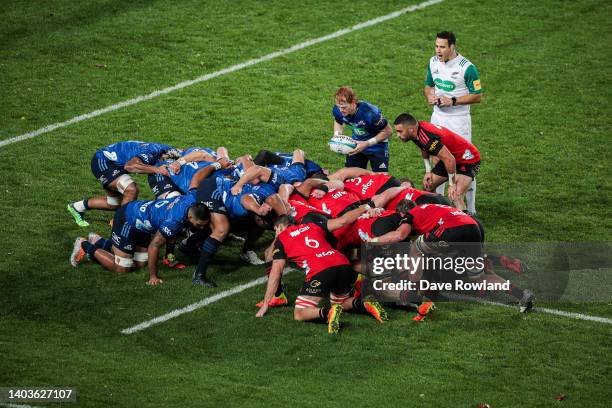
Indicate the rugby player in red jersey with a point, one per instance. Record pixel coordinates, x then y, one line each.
454 158
444 230
328 272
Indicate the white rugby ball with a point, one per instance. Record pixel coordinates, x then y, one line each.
341 144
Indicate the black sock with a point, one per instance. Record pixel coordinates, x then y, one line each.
170 248
516 292
86 203
323 312
279 290
89 248
209 248
358 305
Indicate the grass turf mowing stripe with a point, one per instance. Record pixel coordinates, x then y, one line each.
215 74
198 305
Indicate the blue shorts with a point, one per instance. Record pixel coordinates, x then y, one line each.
161 184
379 161
126 237
209 195
104 170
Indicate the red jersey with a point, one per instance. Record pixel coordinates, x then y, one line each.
366 186
365 229
301 209
407 194
334 202
306 245
427 217
431 138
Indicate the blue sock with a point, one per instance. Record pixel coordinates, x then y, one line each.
89 248
104 244
209 248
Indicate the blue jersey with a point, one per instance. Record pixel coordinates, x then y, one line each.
169 217
366 123
183 178
311 167
232 203
122 152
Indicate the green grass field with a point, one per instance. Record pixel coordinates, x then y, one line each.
543 129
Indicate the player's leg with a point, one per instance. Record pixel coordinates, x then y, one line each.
220 226
222 153
344 278
298 156
463 183
379 161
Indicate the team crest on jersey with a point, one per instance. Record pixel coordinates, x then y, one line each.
467 155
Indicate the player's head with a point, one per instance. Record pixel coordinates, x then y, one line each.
406 126
445 45
406 183
171 154
346 100
283 222
198 215
404 206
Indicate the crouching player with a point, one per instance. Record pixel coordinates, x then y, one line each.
328 272
112 166
131 246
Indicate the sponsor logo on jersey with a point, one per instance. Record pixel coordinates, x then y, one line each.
477 85
297 232
115 172
339 194
444 85
367 185
167 230
323 254
467 155
115 238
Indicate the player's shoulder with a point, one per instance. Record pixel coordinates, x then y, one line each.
434 60
464 63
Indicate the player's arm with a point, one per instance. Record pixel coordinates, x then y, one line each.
350 172
338 128
278 205
429 90
250 203
273 281
348 218
428 177
400 234
381 126
253 173
451 169
136 165
472 82
157 242
203 174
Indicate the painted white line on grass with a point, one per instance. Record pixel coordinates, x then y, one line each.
19 405
215 74
556 312
198 305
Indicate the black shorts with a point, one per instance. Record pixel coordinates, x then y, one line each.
433 199
161 184
392 182
208 195
337 279
379 160
464 240
105 170
470 170
126 237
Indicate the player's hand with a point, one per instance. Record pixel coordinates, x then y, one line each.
163 170
174 167
452 192
154 281
262 310
432 99
236 189
316 193
428 181
264 209
361 146
225 163
445 102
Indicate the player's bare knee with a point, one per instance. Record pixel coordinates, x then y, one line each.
299 315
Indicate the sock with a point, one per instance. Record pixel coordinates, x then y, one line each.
440 189
209 248
470 197
323 312
170 248
104 244
516 292
81 206
358 306
279 290
89 248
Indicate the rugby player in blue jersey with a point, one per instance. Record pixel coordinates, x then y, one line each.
369 129
225 208
276 160
140 229
112 166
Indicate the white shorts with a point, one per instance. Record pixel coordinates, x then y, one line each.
462 124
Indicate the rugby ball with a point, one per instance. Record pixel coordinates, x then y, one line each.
341 144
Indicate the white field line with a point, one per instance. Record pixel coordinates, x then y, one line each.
9 405
198 305
571 315
215 74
